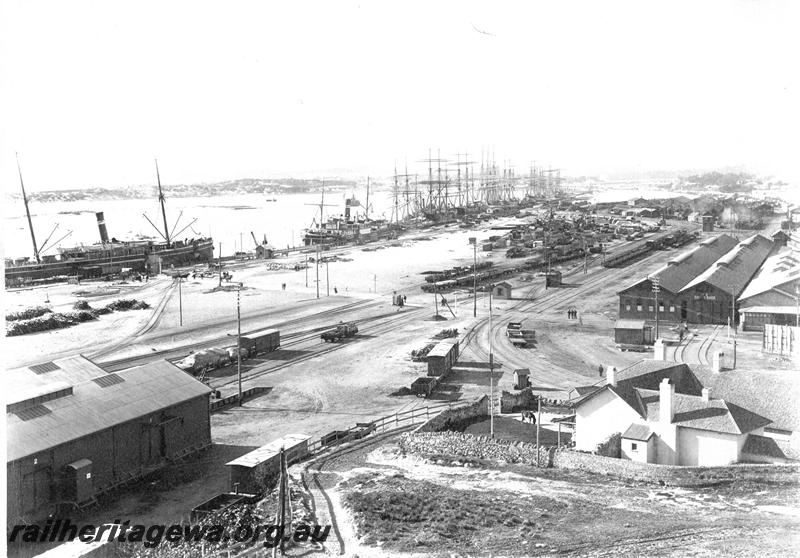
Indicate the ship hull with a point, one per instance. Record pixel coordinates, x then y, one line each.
98 262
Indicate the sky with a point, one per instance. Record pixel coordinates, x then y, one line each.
95 90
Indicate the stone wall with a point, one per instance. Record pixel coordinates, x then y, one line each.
453 419
675 475
478 447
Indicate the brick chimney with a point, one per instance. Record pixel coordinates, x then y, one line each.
666 394
611 375
705 393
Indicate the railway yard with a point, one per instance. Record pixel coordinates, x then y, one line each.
312 386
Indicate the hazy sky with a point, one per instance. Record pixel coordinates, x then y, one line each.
92 91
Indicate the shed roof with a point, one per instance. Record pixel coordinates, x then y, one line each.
268 451
629 324
441 349
734 270
93 407
782 268
683 268
639 432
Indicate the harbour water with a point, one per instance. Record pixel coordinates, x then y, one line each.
228 219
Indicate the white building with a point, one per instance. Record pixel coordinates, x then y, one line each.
665 415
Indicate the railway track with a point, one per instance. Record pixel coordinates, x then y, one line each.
183 350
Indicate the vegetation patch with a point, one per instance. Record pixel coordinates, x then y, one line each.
412 515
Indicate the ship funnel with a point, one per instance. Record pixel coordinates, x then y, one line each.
101 224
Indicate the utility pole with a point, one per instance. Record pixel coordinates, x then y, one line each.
435 301
180 300
316 262
733 321
219 262
538 423
491 367
656 289
797 298
327 279
474 242
306 269
375 283
239 342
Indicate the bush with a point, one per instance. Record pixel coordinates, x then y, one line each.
123 304
28 313
611 447
42 323
81 305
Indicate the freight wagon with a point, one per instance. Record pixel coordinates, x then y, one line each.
442 357
264 342
253 472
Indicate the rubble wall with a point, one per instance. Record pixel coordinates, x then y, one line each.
675 475
452 419
453 444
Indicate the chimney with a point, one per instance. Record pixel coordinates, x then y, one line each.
666 392
716 361
347 210
611 375
705 393
101 224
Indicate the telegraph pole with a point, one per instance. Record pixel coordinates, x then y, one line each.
656 289
797 297
474 242
327 279
733 321
375 283
239 343
316 262
180 300
306 269
491 367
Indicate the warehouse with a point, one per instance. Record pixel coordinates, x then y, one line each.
638 301
772 296
709 297
75 431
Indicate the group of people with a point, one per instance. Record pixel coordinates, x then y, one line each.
572 314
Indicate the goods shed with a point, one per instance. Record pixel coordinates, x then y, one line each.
75 431
633 332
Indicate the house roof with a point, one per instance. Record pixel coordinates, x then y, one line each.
761 445
639 432
692 411
686 266
734 270
98 401
782 268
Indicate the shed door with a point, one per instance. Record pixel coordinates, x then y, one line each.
37 485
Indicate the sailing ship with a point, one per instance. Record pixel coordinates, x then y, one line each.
108 257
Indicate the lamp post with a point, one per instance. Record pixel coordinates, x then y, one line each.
733 321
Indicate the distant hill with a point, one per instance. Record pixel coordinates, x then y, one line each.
239 186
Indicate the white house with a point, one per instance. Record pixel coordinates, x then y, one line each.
666 416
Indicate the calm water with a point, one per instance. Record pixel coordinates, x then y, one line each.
228 219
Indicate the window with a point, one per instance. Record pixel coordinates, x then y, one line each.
634 447
649 307
638 305
628 305
672 308
660 306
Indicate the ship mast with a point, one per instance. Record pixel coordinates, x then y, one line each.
163 211
28 212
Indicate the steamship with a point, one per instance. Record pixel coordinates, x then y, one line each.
108 257
352 228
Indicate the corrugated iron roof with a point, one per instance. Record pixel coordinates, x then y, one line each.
734 270
91 408
777 270
269 451
683 268
629 324
441 349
